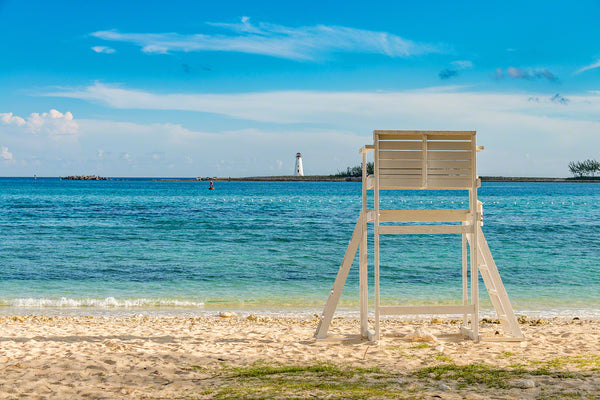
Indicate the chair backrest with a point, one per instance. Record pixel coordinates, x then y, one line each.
425 159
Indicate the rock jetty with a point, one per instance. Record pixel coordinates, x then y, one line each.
85 178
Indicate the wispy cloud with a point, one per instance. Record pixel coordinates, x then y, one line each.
103 49
457 66
557 98
525 73
588 67
307 43
447 73
462 64
327 107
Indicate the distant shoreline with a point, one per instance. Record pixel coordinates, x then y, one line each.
328 178
308 178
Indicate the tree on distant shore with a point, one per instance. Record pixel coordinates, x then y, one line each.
356 171
584 169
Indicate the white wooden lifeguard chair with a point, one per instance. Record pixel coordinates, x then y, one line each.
418 160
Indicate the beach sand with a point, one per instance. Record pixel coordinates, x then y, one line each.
156 357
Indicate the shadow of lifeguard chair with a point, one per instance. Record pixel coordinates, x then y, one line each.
424 160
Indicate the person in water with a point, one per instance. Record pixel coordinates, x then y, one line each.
210 186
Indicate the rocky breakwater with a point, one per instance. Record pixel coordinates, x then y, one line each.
85 178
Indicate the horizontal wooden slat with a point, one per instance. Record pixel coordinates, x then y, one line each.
449 172
400 164
384 132
444 164
440 309
400 155
399 171
366 149
431 145
435 181
424 229
451 136
448 155
423 215
400 145
390 182
398 181
389 135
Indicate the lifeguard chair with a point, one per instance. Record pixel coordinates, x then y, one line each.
423 160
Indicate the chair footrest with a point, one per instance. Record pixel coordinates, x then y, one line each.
412 310
423 229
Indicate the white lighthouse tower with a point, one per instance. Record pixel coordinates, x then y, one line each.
299 171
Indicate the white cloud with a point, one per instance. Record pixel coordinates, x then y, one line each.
103 49
52 123
329 126
462 64
339 107
588 67
303 43
6 155
529 74
9 119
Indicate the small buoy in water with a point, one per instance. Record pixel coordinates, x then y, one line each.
210 186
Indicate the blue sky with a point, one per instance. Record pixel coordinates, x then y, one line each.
233 88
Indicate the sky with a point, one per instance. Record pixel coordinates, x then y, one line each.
237 88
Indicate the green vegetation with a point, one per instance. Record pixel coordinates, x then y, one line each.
356 171
480 374
579 361
584 169
264 380
275 381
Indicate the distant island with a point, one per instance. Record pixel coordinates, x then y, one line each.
85 178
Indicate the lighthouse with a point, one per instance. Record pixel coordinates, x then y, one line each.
299 171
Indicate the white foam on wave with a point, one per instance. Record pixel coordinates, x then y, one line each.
108 302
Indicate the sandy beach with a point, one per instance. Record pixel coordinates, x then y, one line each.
150 357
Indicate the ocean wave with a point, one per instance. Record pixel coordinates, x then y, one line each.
108 302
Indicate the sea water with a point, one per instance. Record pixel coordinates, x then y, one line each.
174 246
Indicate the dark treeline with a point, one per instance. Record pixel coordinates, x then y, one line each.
356 171
584 169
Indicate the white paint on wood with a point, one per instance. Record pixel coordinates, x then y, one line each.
428 310
423 215
423 229
424 160
340 280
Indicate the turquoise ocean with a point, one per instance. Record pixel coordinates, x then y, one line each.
138 245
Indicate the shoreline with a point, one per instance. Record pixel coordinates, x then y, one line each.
351 313
308 178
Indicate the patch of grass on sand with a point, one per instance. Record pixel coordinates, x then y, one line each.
507 354
443 358
268 381
481 374
264 380
583 362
